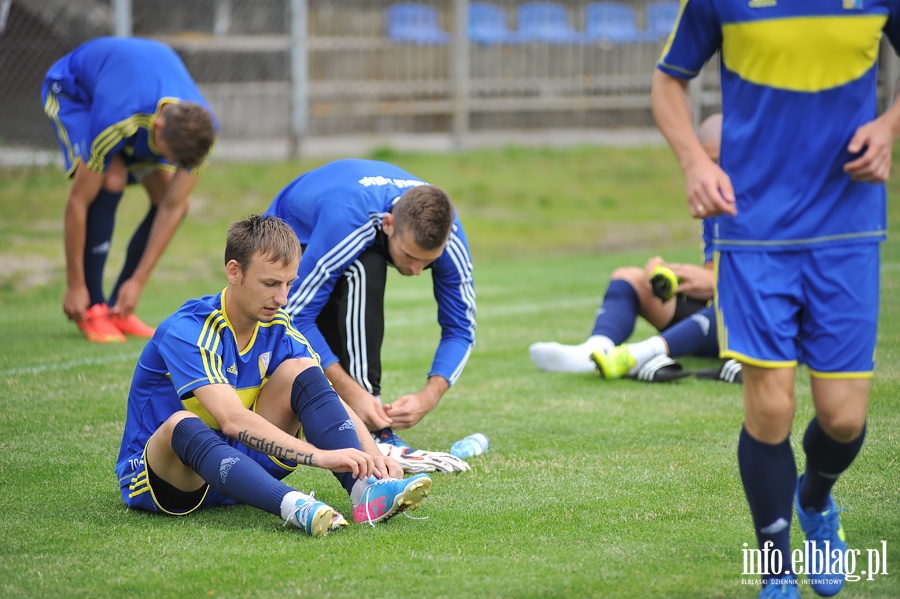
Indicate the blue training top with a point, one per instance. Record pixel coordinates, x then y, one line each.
337 211
196 347
798 79
123 83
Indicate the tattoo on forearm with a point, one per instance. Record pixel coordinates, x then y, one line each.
275 450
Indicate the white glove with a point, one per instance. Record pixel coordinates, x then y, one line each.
415 461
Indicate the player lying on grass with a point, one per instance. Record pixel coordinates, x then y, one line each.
223 392
674 298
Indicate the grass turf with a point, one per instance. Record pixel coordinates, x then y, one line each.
591 488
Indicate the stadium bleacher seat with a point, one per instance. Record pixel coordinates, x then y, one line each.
661 17
545 22
414 22
487 24
613 22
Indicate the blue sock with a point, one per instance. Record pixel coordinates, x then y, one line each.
826 459
618 312
99 225
135 252
695 335
769 476
325 422
226 469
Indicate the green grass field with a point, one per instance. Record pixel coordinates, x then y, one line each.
591 488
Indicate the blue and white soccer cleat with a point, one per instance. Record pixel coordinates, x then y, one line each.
385 498
388 437
823 530
315 518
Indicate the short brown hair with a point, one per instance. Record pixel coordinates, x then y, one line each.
427 213
189 132
268 236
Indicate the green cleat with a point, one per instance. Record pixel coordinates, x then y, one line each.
614 363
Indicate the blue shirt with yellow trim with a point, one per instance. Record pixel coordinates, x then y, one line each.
798 78
195 347
123 83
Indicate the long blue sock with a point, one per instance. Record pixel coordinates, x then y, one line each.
618 312
101 220
135 252
226 469
695 335
769 475
325 422
826 460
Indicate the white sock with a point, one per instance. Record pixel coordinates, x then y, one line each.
359 487
644 351
289 503
556 357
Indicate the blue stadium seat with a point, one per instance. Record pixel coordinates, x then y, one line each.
613 22
661 17
487 24
414 22
545 22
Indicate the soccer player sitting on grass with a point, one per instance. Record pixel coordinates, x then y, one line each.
679 308
224 390
124 111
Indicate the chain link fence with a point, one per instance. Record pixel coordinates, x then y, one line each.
280 72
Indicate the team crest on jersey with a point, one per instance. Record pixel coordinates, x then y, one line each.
264 360
853 4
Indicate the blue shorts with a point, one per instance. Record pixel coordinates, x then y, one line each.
818 306
69 110
138 492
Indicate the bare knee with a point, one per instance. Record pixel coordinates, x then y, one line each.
631 274
116 177
164 432
841 406
842 427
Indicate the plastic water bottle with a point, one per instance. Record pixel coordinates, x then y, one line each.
470 446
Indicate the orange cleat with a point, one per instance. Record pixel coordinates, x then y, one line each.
131 326
98 328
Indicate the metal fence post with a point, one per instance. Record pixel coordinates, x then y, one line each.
299 61
222 17
460 70
124 25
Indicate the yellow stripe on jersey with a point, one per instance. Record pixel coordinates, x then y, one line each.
51 109
669 39
803 54
112 135
282 318
248 398
209 336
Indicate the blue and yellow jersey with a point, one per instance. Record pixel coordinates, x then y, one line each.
196 347
798 79
337 211
122 85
